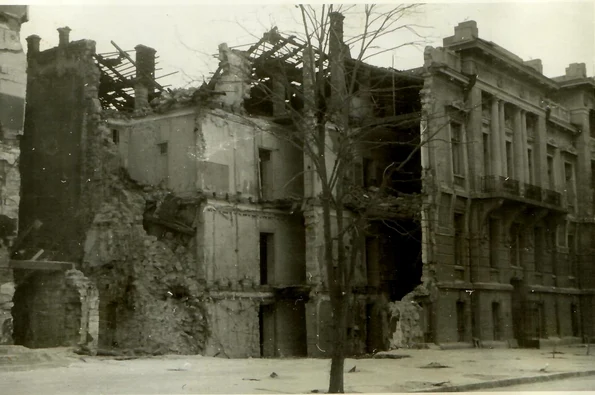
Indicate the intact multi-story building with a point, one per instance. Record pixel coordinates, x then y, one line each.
510 225
200 228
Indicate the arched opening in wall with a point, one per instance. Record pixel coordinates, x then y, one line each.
38 311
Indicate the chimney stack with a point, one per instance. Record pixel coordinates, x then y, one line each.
145 74
64 36
576 70
32 45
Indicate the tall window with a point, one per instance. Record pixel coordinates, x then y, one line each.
550 172
458 164
493 236
538 248
486 154
458 240
530 163
572 258
265 172
570 187
515 245
267 257
509 161
461 327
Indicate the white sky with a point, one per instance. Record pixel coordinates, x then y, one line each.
186 36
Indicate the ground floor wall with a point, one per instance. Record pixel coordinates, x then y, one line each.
7 289
54 309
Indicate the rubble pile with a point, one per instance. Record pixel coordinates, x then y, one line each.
149 280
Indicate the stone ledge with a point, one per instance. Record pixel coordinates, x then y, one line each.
510 382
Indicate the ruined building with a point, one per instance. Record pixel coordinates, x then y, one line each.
12 111
193 227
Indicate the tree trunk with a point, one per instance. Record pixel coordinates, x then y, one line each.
336 382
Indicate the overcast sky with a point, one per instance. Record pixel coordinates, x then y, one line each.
186 36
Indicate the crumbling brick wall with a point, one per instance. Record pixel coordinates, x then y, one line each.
150 298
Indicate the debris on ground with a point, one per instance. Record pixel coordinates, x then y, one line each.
250 379
352 370
274 375
434 365
441 383
388 355
544 368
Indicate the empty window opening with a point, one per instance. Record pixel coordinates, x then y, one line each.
550 172
486 154
493 229
267 257
461 321
572 258
265 172
116 136
459 228
530 163
509 162
496 320
538 248
515 245
458 163
163 148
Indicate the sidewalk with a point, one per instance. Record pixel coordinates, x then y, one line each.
469 370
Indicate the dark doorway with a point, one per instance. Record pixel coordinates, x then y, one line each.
496 325
374 322
574 320
517 299
461 323
266 325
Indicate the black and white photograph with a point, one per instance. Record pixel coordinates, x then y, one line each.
284 198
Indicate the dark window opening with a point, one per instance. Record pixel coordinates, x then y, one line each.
496 320
493 240
550 173
458 160
572 258
459 227
538 248
163 148
486 154
265 172
515 245
116 136
267 254
266 330
509 162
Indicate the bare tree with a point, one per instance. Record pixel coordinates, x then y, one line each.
332 105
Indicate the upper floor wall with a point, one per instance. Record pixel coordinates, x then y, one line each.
212 151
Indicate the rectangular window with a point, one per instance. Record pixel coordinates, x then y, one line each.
486 154
267 257
515 245
509 160
265 172
116 136
550 173
458 164
530 163
163 148
458 239
493 236
538 248
496 320
572 258
570 184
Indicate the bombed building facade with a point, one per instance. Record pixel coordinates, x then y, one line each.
180 222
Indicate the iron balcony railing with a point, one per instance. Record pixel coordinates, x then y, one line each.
552 197
532 192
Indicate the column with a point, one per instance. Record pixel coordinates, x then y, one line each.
517 135
540 153
502 130
495 139
475 139
524 146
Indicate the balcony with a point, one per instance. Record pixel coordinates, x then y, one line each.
532 192
499 184
552 197
505 187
